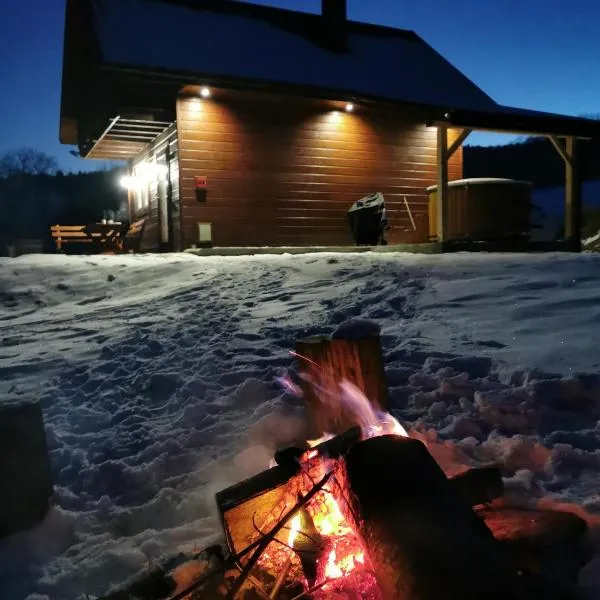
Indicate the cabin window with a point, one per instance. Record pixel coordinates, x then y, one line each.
141 198
144 196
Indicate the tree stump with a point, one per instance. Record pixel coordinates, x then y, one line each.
24 468
324 363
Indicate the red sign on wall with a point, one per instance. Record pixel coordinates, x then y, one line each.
201 182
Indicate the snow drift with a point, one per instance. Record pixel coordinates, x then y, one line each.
159 378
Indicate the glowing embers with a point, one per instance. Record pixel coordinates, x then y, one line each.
319 548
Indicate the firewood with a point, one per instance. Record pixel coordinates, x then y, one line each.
479 486
424 541
548 547
267 539
329 361
271 479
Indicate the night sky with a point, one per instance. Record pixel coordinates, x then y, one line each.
535 54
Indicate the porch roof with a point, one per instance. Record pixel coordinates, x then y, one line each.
508 119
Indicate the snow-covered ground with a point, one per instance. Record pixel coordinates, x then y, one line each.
158 379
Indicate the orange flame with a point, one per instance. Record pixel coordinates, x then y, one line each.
295 528
332 571
343 554
324 438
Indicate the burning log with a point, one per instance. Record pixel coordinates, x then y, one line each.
324 363
424 541
270 536
479 486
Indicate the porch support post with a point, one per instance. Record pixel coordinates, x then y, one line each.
458 142
560 148
442 182
573 209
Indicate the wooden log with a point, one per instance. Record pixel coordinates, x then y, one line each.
254 498
24 468
479 486
548 547
324 362
423 540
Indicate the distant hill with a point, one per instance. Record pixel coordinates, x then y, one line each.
31 203
549 210
536 160
533 159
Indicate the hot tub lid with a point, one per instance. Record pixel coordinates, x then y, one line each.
481 181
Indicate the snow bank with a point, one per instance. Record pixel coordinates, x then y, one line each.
159 381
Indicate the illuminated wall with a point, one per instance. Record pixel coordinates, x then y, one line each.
284 171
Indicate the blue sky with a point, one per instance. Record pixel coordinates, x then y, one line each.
528 53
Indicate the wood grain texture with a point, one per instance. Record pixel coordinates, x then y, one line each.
424 541
286 171
325 363
484 212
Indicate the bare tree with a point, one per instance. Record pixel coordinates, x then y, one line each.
27 161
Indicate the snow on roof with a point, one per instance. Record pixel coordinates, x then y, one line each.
383 63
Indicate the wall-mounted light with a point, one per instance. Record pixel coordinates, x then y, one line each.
335 116
349 107
143 174
128 182
205 92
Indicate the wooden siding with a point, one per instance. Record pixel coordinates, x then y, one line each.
485 211
156 151
286 172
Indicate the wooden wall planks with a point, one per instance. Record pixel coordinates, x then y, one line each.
286 172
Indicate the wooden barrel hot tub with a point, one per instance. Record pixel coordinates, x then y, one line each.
484 210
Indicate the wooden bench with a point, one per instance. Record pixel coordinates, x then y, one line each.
132 240
67 234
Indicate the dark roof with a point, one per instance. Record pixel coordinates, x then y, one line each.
226 39
520 120
245 45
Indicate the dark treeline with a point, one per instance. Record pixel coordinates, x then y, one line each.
533 159
35 195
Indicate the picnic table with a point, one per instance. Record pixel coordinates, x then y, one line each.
102 237
106 234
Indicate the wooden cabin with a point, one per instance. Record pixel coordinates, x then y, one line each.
247 125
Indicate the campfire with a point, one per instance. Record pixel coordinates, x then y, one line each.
318 547
365 512
332 517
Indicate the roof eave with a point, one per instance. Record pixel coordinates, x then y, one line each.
186 78
504 121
